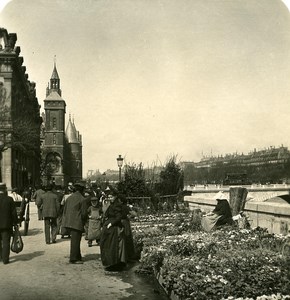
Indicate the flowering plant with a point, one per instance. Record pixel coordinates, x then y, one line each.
224 264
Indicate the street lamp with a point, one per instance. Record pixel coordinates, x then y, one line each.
120 164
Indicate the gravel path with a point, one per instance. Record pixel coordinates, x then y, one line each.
42 272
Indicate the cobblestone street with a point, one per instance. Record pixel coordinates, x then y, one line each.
42 271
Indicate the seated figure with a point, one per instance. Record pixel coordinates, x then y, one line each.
221 214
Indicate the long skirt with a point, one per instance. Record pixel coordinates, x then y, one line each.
112 246
94 229
129 243
208 222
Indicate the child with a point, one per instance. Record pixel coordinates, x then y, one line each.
95 216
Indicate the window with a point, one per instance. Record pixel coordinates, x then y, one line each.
54 123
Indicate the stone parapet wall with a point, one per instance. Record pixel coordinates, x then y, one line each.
262 195
254 193
273 216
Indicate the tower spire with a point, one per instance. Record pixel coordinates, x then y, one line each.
47 89
54 80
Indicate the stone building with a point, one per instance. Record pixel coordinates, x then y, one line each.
61 149
74 151
20 119
269 165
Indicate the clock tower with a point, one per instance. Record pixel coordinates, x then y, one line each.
54 138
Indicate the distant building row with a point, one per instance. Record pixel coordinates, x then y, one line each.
267 165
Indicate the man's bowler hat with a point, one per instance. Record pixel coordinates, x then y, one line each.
80 183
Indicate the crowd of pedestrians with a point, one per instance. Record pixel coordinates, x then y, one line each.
98 216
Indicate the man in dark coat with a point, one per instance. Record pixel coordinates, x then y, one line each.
59 192
36 196
50 211
8 219
74 218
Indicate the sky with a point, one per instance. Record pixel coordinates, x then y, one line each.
149 79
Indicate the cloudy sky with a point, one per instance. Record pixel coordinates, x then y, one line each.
148 79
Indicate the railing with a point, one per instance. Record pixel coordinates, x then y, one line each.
156 203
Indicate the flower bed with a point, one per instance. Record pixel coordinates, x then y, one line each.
225 264
148 229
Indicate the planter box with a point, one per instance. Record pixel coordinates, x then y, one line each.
170 294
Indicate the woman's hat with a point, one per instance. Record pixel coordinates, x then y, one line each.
94 199
221 196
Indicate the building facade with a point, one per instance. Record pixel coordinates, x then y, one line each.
61 148
20 119
270 165
74 151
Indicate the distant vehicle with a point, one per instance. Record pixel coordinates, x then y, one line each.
236 179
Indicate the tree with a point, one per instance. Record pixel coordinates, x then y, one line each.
171 178
134 182
20 133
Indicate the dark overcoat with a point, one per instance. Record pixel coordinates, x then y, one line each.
75 212
8 214
50 205
112 244
37 196
223 209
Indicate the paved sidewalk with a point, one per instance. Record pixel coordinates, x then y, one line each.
42 272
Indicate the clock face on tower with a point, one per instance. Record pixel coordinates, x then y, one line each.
53 163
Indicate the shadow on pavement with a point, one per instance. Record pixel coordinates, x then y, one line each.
60 240
91 257
25 257
33 231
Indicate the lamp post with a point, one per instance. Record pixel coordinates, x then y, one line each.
104 180
120 164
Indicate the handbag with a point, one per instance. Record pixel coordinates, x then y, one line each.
17 242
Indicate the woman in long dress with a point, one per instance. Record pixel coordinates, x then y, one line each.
128 236
221 214
112 243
